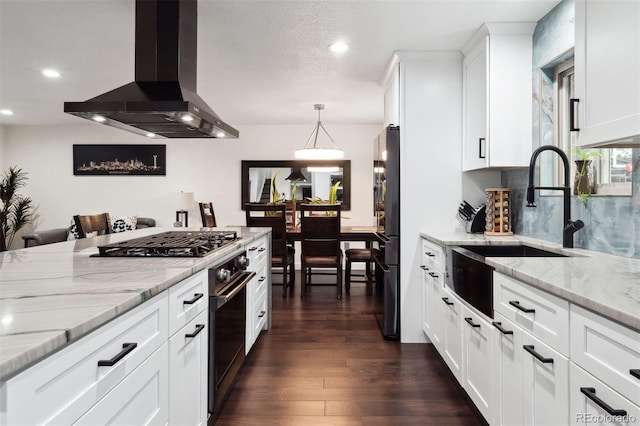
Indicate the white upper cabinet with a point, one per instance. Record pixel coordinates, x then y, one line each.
497 73
607 72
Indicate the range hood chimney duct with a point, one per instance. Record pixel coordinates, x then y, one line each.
162 101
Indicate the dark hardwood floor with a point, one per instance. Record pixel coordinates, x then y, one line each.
325 362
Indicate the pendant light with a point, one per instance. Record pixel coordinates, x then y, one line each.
312 151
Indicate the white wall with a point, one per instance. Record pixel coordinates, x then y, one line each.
208 167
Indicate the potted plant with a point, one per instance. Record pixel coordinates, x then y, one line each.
584 184
15 210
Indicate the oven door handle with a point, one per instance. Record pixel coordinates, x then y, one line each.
234 289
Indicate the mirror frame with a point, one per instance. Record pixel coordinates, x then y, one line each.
346 174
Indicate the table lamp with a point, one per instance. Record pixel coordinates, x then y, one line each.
184 203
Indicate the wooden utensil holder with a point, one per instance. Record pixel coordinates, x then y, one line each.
498 212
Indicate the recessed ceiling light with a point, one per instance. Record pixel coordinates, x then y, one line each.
187 118
99 118
151 135
6 112
338 47
51 73
220 135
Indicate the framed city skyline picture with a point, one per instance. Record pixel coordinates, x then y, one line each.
115 160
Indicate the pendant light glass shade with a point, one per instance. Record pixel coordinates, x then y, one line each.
312 151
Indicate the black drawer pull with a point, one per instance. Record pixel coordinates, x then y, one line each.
424 267
517 305
498 325
635 373
446 300
261 314
530 349
573 127
430 254
433 274
199 328
126 348
196 297
591 394
469 321
261 249
262 279
253 248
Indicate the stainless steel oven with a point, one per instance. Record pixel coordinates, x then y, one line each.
227 327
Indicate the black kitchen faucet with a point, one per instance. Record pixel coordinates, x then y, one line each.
570 227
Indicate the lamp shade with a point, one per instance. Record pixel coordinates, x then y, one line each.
185 201
312 151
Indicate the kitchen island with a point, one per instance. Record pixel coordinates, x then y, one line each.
58 300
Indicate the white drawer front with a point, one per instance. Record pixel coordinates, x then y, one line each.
433 255
261 279
141 398
607 350
535 311
260 312
187 299
65 385
588 394
256 252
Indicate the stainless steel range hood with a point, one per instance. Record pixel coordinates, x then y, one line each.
162 101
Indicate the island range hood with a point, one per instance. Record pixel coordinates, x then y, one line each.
162 101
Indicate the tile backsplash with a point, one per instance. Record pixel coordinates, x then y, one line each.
612 224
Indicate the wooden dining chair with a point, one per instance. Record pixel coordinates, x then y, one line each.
99 223
207 215
282 255
320 233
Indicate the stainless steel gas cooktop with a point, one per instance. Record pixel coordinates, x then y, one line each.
170 244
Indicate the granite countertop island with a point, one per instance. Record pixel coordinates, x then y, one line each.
604 283
51 295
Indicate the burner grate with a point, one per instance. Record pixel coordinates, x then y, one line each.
170 244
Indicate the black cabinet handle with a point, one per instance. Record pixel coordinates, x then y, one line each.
433 274
253 248
424 267
261 249
635 373
530 349
591 394
430 254
196 297
572 115
469 321
126 348
517 305
480 140
262 279
498 325
199 328
446 300
261 314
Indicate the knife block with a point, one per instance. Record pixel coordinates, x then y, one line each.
498 212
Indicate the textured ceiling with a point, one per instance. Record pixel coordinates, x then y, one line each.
259 62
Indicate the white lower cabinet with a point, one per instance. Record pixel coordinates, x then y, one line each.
433 306
545 384
593 402
478 349
188 356
452 345
507 372
142 398
258 291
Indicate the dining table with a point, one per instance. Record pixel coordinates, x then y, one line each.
366 234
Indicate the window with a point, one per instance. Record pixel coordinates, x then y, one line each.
612 168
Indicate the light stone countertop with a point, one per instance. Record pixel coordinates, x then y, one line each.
606 284
51 295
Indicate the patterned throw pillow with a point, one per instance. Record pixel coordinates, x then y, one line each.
73 232
123 223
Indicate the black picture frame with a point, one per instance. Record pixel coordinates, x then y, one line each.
119 160
299 164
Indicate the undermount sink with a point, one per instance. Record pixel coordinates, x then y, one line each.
511 251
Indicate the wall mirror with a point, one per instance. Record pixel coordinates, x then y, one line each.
312 178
